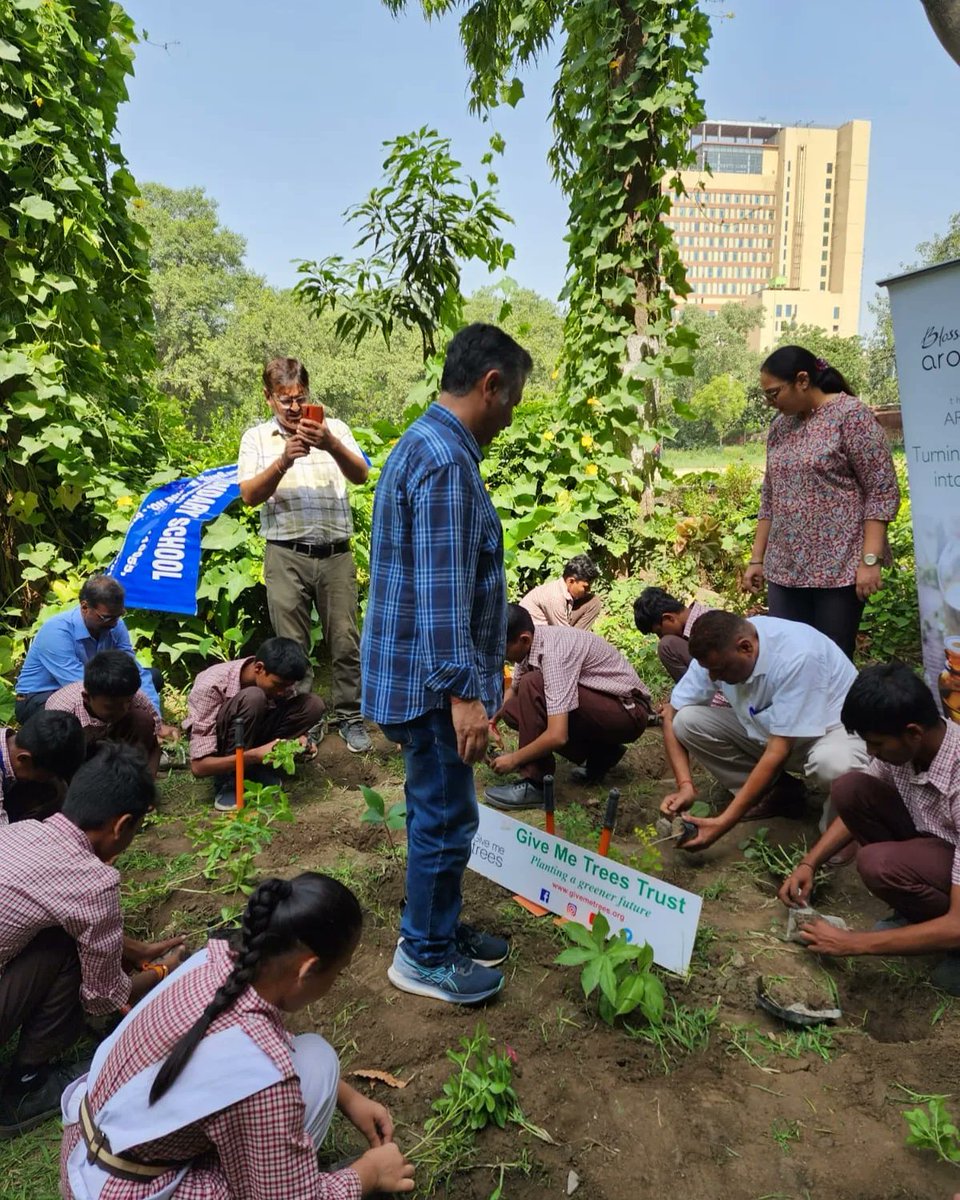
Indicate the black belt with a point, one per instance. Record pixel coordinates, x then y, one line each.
312 550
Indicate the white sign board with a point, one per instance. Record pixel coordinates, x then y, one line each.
925 306
577 883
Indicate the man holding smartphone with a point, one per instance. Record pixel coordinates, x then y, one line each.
296 467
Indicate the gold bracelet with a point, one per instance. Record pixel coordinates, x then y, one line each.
159 969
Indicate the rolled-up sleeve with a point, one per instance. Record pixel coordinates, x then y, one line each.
104 987
696 687
446 546
870 461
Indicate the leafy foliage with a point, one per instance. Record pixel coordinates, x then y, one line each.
228 845
720 403
932 1128
620 969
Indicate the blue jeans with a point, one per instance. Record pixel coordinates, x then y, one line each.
441 821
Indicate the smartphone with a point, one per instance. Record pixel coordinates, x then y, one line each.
313 412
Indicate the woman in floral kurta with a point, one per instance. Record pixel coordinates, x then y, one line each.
829 491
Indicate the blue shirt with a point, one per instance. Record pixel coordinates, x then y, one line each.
64 646
436 619
796 689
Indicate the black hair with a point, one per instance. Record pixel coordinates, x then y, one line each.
477 349
518 621
111 673
886 699
54 741
581 566
284 372
114 783
284 658
787 362
717 630
103 589
651 606
313 910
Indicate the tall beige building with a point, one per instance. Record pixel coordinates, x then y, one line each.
777 224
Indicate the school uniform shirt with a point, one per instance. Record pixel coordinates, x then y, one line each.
310 503
69 699
256 1147
571 658
931 797
51 877
549 604
797 688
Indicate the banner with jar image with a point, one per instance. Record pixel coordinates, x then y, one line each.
925 306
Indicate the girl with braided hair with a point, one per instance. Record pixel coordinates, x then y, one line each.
829 491
200 1094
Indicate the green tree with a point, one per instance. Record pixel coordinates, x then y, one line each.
720 403
845 354
80 424
530 318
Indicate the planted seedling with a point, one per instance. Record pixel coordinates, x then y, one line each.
932 1128
284 755
620 969
390 820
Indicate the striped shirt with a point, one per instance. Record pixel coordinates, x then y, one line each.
70 699
310 503
51 877
574 658
436 620
211 690
256 1148
931 797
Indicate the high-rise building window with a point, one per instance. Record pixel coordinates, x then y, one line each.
826 212
829 168
779 311
823 272
823 255
829 184
836 314
823 287
826 227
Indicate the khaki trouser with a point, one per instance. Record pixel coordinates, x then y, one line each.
295 583
717 740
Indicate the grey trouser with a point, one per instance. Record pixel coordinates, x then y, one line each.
295 583
717 740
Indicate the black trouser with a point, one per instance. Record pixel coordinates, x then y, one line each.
40 996
834 611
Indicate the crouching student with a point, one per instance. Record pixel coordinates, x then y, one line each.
656 611
36 763
201 1092
903 812
62 948
260 691
110 705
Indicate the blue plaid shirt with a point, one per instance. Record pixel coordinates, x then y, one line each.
436 617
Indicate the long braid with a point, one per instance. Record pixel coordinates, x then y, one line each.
254 931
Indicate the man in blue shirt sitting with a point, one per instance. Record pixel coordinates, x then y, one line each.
432 650
67 642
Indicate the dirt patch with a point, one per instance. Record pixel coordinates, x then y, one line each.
755 1113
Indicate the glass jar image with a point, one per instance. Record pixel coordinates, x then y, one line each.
949 682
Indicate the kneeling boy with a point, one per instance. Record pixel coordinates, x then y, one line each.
261 692
62 948
903 811
36 763
110 705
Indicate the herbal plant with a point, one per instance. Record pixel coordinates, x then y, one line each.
478 1094
682 1031
932 1128
389 819
762 857
283 756
784 1132
620 969
228 847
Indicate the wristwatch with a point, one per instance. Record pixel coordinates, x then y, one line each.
870 560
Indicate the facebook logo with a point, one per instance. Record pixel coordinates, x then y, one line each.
544 895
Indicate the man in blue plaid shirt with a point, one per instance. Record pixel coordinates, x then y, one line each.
433 646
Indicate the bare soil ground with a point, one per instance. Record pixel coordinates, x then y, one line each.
759 1114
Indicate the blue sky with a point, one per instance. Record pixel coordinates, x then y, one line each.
279 110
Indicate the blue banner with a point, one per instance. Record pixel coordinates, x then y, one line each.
159 562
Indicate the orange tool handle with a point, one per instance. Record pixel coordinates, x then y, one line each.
238 752
548 804
609 822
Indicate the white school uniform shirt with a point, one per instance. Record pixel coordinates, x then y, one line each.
797 688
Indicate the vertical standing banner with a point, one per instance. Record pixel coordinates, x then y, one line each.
159 562
925 306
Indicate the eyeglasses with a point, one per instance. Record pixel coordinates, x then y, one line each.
772 393
106 618
290 401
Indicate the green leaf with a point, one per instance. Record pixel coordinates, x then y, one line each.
580 935
630 993
8 53
600 929
575 956
512 93
590 975
608 979
35 206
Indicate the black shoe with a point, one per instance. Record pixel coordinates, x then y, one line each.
23 1111
486 949
522 794
594 770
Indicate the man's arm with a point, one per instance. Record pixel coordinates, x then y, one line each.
255 489
775 754
679 760
343 450
553 737
926 937
56 649
222 764
797 889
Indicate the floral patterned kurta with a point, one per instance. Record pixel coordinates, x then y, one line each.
826 474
